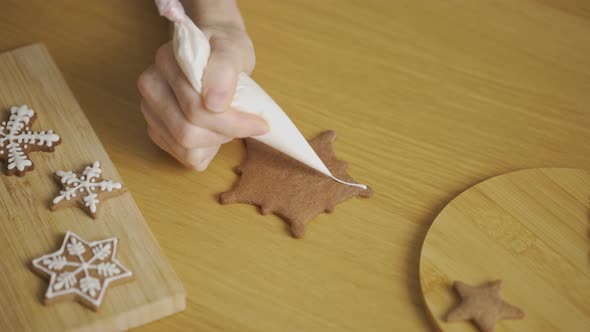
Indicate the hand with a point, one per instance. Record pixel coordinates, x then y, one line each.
190 127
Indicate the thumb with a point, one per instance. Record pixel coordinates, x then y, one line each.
220 79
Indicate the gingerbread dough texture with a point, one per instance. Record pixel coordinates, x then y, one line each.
483 305
278 184
81 271
17 140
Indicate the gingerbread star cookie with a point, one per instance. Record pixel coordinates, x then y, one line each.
85 189
17 140
81 270
483 305
278 184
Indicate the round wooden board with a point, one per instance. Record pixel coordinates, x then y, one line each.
529 228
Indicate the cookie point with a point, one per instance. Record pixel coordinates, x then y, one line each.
297 230
330 135
264 210
224 198
366 193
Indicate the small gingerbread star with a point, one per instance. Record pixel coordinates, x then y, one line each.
85 189
483 305
81 270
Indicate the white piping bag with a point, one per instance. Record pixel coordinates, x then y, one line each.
192 50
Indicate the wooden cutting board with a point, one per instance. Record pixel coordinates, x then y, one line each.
28 229
531 229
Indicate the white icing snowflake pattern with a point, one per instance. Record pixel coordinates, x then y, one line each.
16 138
82 268
89 185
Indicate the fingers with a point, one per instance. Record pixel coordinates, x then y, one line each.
232 52
188 98
220 78
187 135
182 122
198 159
231 123
167 82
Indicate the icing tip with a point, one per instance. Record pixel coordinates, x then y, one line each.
358 185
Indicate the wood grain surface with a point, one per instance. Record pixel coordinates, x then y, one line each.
428 98
528 228
29 229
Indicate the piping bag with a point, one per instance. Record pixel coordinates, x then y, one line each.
192 50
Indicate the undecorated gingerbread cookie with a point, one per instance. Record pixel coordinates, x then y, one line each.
17 140
278 184
483 305
85 190
81 271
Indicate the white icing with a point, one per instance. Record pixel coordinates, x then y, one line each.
75 248
15 137
80 280
192 50
86 184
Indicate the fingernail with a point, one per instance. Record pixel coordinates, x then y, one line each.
203 165
261 128
215 101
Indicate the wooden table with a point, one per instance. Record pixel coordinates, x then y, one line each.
428 98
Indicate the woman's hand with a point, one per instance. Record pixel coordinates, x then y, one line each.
190 127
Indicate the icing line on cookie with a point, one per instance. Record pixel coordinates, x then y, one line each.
358 185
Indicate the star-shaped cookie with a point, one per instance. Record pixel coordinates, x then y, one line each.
85 189
482 305
17 140
278 184
81 270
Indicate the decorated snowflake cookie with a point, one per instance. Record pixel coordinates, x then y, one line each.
17 141
85 189
81 270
